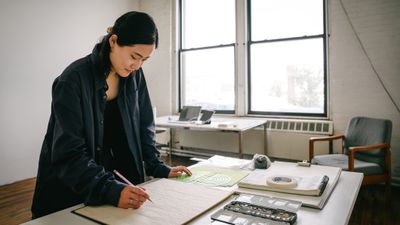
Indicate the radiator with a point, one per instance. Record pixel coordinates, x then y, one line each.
288 138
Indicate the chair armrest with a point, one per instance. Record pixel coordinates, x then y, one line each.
317 139
365 148
326 138
385 147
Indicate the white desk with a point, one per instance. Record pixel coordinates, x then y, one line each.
237 125
337 210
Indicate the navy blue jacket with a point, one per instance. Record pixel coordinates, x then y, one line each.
68 171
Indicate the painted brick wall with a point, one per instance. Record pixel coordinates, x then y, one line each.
354 86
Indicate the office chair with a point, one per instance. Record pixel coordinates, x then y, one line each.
365 149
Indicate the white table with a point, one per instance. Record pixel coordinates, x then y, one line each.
337 210
238 125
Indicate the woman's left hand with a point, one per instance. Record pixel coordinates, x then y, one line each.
178 170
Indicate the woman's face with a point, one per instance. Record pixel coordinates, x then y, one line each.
126 59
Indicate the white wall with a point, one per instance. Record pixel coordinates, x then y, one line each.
354 87
159 69
38 40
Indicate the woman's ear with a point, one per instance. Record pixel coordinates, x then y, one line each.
112 40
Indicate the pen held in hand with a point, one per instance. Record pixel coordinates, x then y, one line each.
127 181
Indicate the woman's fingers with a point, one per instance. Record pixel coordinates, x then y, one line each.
187 171
178 170
132 197
139 193
124 199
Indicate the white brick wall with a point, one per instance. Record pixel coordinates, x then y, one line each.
354 87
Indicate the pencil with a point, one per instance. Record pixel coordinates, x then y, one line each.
126 180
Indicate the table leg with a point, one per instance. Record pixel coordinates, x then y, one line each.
240 145
171 137
265 139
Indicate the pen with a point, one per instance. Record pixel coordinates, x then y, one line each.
126 180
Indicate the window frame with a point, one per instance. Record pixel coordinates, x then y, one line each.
182 50
242 76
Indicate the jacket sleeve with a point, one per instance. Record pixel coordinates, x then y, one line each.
151 156
72 159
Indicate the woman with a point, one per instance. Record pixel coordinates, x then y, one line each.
102 120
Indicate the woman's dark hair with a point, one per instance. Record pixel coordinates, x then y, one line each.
131 28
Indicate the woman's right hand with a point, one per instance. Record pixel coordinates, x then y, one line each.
132 197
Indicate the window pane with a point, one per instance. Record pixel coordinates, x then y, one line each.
208 78
288 76
207 23
273 19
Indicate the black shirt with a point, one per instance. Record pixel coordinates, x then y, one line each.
115 156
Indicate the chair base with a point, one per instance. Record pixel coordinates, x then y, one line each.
377 179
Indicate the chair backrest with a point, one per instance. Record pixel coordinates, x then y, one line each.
363 131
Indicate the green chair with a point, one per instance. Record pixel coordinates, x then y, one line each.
365 149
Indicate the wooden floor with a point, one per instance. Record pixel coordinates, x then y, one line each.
15 202
370 208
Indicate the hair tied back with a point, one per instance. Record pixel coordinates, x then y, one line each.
109 30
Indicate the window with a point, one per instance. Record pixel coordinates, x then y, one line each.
207 63
282 51
287 57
